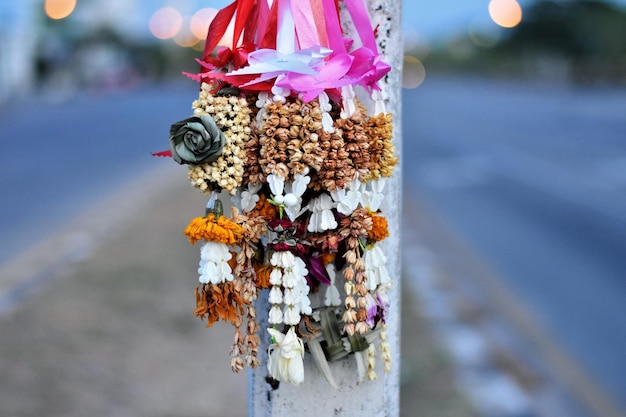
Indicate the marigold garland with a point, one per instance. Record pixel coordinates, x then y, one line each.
208 228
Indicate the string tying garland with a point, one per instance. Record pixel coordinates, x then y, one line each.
277 130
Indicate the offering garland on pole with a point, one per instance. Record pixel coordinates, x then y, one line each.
278 130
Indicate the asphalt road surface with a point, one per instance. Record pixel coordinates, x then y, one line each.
59 157
533 178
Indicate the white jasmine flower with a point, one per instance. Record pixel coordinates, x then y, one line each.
277 184
322 217
280 94
304 303
208 272
276 277
249 197
295 273
276 315
276 295
348 199
374 197
289 272
285 357
296 292
332 298
376 268
299 267
283 259
300 182
327 120
290 296
379 104
290 279
289 195
214 268
293 199
291 315
262 99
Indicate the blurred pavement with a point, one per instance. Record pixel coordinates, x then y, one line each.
96 316
99 321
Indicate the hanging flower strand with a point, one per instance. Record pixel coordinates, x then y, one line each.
278 130
245 270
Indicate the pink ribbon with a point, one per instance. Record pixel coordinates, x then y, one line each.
268 64
368 67
301 62
330 74
306 29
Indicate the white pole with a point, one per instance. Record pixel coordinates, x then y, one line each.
315 397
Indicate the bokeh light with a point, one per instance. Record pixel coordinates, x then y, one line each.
200 22
59 9
413 72
166 22
482 36
185 36
416 44
505 13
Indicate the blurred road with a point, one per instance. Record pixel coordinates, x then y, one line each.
112 332
533 178
59 157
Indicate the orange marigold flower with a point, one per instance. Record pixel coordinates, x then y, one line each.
379 230
328 257
265 209
263 275
232 262
207 228
219 302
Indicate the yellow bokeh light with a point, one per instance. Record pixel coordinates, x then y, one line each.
59 9
185 36
165 23
413 72
200 22
505 13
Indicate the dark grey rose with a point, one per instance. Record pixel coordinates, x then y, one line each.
196 140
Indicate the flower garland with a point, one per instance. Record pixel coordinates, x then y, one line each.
277 128
232 115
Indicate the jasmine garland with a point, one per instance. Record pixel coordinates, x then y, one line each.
320 235
304 165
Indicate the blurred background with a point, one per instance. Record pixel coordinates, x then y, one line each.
514 174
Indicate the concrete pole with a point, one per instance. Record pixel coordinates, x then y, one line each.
315 397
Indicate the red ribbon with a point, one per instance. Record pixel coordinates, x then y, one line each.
256 27
246 16
162 153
